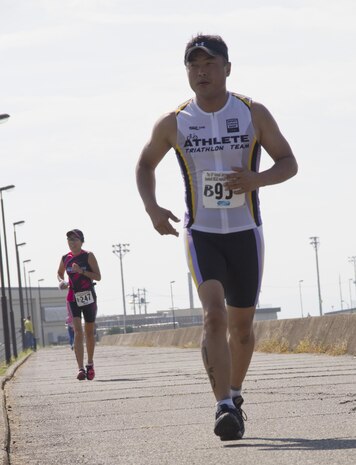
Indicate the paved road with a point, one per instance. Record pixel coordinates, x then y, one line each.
153 406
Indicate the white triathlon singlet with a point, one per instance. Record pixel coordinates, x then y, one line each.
208 146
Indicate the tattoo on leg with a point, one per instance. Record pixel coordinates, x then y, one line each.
209 369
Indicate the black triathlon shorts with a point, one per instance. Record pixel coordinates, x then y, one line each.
234 259
88 311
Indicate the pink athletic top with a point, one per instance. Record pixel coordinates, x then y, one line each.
77 282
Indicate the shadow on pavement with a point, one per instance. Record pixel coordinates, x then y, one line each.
115 380
298 444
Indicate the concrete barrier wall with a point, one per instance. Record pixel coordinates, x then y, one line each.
327 331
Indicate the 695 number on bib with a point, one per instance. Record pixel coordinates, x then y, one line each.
214 193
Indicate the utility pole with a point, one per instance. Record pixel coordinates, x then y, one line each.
172 302
120 250
144 301
133 295
190 290
139 301
353 260
141 296
340 290
300 296
314 241
350 281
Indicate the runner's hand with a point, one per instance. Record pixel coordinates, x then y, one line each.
241 181
62 285
76 268
160 218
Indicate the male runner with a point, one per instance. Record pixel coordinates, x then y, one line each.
217 137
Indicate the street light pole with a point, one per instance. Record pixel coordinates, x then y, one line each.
30 290
172 303
4 117
11 309
120 250
22 311
300 296
41 311
314 241
5 318
31 306
26 289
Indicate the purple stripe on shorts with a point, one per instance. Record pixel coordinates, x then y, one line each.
192 258
260 255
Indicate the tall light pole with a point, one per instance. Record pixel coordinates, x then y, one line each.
172 303
22 306
30 290
5 317
22 311
26 289
31 307
300 296
3 118
314 241
120 250
11 309
41 311
353 260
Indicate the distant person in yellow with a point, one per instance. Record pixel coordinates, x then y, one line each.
29 333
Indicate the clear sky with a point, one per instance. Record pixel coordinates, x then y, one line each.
85 80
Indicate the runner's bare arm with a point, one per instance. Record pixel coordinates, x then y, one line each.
272 140
162 140
61 270
94 274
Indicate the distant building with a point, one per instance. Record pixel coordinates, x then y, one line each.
338 312
166 319
47 307
48 318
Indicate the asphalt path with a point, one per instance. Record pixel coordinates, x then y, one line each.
154 406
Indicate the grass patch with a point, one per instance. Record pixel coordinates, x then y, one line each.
191 345
4 367
274 345
315 347
340 348
305 346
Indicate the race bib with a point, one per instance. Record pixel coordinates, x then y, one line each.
84 298
214 193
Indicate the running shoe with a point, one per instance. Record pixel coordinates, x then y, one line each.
90 372
81 374
228 423
238 401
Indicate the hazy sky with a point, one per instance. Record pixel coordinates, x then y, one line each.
84 81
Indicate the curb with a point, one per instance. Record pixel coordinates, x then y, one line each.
4 427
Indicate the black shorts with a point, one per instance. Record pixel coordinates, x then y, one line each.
88 311
234 259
